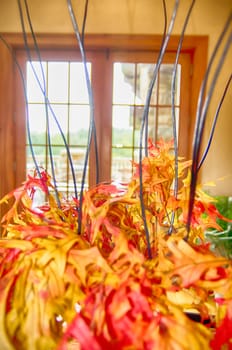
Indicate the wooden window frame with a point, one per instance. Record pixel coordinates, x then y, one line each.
12 126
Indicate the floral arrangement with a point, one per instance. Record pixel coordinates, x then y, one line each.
121 267
100 289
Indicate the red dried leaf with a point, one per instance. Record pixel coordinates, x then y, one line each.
223 334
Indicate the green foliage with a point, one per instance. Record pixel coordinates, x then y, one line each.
222 241
121 138
224 206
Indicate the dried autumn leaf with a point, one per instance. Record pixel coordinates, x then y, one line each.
6 284
192 266
223 334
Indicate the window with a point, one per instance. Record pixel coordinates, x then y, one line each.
130 85
66 89
120 68
67 111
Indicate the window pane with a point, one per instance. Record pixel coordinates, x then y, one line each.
37 123
121 164
165 128
122 129
78 87
78 124
144 76
63 170
165 84
36 79
58 119
58 82
40 154
123 83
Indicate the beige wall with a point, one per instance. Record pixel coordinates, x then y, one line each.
145 17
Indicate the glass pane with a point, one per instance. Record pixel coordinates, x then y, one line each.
78 124
139 114
40 157
137 117
123 83
58 119
121 169
177 87
165 84
55 159
136 154
152 117
165 129
58 81
152 123
37 123
78 87
122 127
36 76
144 76
63 169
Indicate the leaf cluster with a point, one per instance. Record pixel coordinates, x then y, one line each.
99 289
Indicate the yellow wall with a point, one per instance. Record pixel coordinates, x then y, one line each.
145 17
